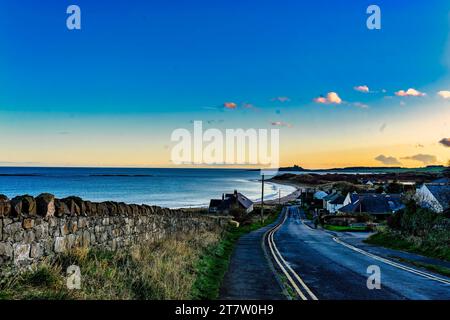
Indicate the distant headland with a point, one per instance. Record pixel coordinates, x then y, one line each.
430 168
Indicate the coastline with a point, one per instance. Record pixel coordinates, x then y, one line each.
180 188
287 198
270 201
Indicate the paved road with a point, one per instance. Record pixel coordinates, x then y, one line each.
334 271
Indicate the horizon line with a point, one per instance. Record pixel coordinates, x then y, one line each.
213 167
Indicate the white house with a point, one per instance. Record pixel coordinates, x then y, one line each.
434 196
350 198
333 202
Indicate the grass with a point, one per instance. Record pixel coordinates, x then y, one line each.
344 228
162 270
289 290
214 263
431 267
433 249
189 266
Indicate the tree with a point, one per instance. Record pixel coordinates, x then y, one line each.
447 170
394 187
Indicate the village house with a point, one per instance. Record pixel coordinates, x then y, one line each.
229 202
333 202
435 195
375 204
368 182
319 195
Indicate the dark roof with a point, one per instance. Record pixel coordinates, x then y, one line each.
229 199
331 196
339 199
373 203
215 202
443 180
441 193
220 204
243 200
354 197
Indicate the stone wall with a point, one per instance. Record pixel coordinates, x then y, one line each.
34 228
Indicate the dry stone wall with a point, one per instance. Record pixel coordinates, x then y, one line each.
34 228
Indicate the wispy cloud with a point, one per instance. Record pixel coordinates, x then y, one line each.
330 98
250 106
360 105
364 89
281 124
445 142
281 99
409 93
383 126
387 160
424 158
211 121
444 94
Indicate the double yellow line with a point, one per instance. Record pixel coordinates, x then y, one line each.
294 279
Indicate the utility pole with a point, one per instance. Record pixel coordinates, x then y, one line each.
262 198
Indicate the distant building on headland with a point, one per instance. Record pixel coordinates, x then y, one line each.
229 202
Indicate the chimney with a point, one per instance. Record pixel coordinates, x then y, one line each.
235 193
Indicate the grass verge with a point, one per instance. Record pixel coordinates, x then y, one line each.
343 228
397 241
431 267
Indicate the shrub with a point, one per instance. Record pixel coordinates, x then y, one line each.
395 221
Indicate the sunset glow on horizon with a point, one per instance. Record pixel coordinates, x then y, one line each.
112 93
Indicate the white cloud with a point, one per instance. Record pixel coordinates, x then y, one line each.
444 94
363 88
409 93
331 98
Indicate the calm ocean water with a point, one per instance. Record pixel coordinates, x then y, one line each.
172 188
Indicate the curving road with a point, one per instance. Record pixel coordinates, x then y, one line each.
317 264
332 269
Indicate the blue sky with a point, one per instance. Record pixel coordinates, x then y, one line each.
143 64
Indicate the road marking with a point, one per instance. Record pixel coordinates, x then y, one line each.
392 263
277 257
387 261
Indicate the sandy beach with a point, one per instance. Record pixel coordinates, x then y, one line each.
285 199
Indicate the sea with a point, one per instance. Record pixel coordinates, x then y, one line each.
166 187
